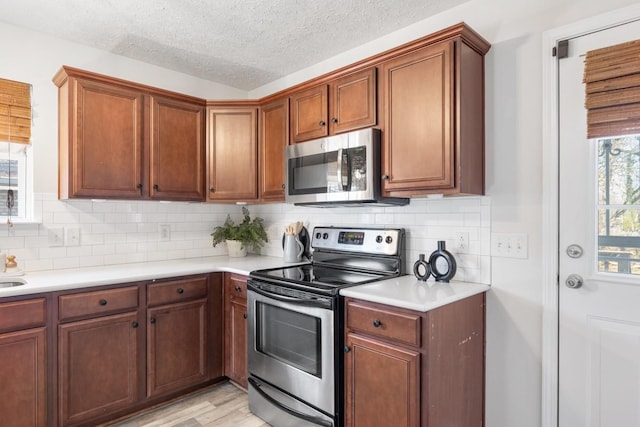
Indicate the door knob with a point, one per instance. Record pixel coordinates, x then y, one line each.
574 281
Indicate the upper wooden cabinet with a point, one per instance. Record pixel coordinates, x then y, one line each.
122 140
232 154
309 114
344 104
128 141
177 150
433 130
353 101
274 137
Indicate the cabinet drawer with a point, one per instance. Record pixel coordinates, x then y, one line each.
98 302
22 314
176 291
384 322
236 286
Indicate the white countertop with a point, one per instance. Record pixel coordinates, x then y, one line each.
405 291
78 278
409 292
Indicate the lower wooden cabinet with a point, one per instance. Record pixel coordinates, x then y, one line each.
409 369
176 346
235 330
98 368
23 363
127 347
23 394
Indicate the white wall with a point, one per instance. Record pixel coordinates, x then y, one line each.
513 157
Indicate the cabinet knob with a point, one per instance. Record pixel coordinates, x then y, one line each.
211 189
103 302
385 177
334 120
134 325
377 323
283 186
238 288
180 290
346 349
152 320
322 123
139 186
244 315
155 186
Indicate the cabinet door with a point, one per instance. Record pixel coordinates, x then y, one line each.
177 150
232 154
309 114
97 367
274 137
381 383
235 354
418 145
23 395
235 330
353 102
176 346
104 158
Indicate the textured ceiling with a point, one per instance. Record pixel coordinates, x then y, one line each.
240 43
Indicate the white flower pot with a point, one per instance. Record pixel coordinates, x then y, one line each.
236 248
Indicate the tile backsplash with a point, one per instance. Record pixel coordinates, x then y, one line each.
120 232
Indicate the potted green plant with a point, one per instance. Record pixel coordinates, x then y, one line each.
249 233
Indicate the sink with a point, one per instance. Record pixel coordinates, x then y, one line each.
10 283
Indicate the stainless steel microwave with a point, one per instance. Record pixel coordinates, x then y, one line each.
339 170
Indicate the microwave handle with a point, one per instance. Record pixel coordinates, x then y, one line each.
343 160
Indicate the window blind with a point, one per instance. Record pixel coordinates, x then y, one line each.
612 82
15 111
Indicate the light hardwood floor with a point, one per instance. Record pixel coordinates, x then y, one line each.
220 405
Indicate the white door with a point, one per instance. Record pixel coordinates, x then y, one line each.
599 331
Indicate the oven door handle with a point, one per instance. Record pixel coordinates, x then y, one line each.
293 412
296 301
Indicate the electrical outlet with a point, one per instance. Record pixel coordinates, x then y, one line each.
509 245
56 236
461 242
72 236
165 232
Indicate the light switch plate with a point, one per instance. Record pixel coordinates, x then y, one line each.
165 232
56 236
509 245
72 236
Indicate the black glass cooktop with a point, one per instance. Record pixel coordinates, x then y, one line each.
318 278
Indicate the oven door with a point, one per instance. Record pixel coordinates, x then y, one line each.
291 343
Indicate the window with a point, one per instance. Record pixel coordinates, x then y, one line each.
612 89
618 175
13 176
15 137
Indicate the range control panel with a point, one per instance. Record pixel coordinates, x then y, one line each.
379 241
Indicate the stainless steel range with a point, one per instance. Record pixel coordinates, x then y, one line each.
296 320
